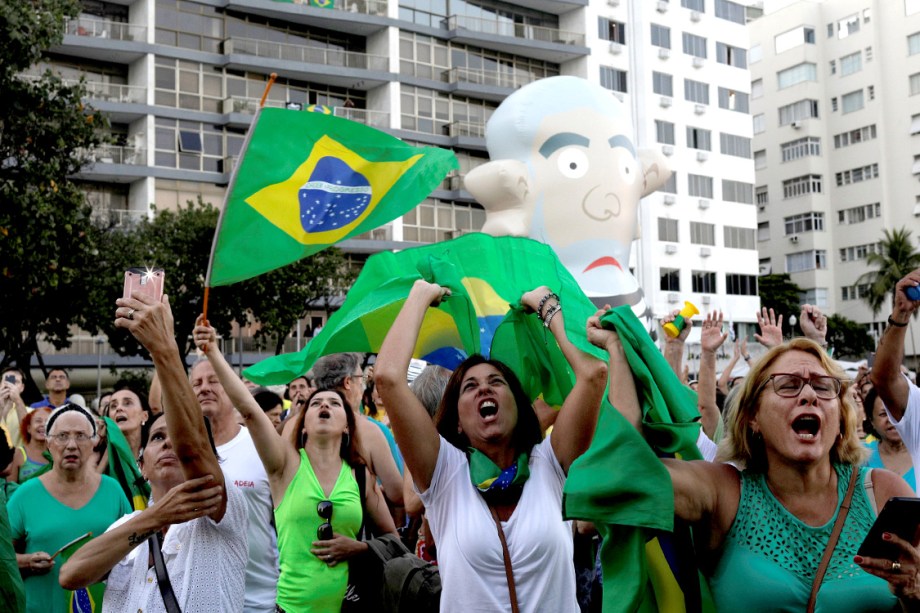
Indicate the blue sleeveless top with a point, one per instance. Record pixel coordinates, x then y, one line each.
875 461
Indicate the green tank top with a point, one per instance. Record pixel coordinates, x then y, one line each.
770 557
306 583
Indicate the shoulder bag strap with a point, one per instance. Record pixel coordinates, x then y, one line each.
832 542
155 543
361 480
509 574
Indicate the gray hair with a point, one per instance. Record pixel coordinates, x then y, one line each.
429 386
330 371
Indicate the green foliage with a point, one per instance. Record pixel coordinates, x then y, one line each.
44 244
848 338
779 293
897 257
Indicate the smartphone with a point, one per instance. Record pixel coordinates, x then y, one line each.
870 359
900 516
148 281
10 379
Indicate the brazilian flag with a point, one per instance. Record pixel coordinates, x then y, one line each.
306 181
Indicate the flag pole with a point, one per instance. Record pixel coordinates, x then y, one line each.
207 283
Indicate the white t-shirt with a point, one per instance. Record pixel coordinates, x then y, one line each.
707 448
470 553
206 563
242 467
909 426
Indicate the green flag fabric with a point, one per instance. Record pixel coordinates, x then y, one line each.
123 467
86 599
12 593
308 180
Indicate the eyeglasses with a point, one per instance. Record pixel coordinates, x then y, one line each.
324 510
359 376
63 437
790 386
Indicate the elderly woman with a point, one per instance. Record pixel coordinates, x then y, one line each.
34 442
492 487
313 477
198 522
66 502
887 450
763 528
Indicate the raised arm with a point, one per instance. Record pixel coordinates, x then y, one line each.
740 348
151 323
886 372
674 345
574 427
813 324
711 338
622 390
412 426
771 328
275 455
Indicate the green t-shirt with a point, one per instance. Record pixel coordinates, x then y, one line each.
11 591
44 524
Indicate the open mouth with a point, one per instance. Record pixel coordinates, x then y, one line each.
806 427
121 418
71 457
488 409
324 414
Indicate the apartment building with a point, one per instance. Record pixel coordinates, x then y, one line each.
836 110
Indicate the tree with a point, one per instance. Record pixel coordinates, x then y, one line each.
848 338
45 132
779 293
893 261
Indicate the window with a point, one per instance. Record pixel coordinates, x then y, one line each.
733 56
670 280
740 285
913 44
695 91
664 131
869 53
800 73
834 105
799 186
662 84
806 260
911 7
703 282
698 138
763 231
694 45
914 81
833 66
804 222
853 137
766 266
859 214
613 79
667 230
696 5
797 111
755 54
661 36
871 90
761 195
739 238
800 148
702 233
760 159
852 102
856 292
859 252
699 186
915 124
730 11
756 89
734 100
737 191
793 38
611 30
738 146
847 26
759 123
190 142
850 63
857 175
816 296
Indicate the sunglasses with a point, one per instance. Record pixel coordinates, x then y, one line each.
324 510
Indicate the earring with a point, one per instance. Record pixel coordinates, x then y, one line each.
346 439
303 439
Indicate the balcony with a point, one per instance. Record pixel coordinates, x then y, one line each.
490 85
104 40
240 110
121 103
118 217
467 134
360 17
116 164
539 42
351 69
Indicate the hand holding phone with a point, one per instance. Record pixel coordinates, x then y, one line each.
899 516
148 281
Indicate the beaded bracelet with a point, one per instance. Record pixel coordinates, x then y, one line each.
897 323
551 313
543 302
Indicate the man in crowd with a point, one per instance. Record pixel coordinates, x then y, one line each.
57 385
900 395
242 467
342 372
12 408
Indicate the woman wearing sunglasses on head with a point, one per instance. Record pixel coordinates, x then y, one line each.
762 529
312 479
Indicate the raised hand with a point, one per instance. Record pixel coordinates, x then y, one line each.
711 336
813 323
771 328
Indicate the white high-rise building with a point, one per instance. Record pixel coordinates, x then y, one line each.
836 104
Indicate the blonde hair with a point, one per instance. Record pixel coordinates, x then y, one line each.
744 449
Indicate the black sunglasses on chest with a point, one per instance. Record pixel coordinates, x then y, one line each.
324 510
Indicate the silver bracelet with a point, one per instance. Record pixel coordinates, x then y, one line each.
551 313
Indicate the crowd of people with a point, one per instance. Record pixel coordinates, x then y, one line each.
205 492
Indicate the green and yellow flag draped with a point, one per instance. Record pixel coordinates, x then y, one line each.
123 467
307 180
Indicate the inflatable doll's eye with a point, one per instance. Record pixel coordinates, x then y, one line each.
628 170
573 163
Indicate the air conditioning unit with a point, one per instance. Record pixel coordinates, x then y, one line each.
699 109
796 124
664 53
669 199
670 248
705 252
672 297
761 207
695 15
702 156
703 204
765 269
613 2
698 62
616 48
663 6
705 299
667 149
794 239
665 101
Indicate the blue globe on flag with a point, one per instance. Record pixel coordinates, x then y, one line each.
333 197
